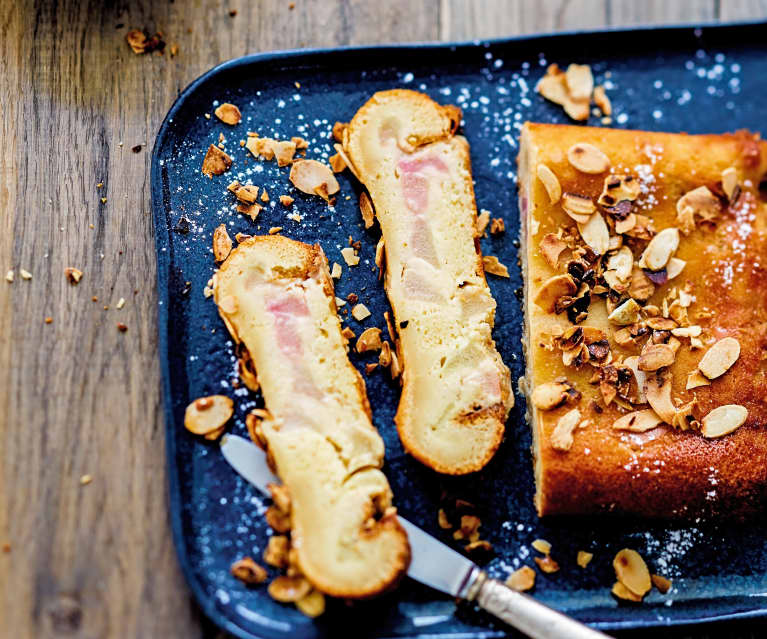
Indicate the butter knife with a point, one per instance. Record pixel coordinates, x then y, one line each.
437 565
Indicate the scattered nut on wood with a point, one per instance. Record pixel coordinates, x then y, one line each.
222 243
248 571
73 274
723 420
228 113
207 415
587 158
521 579
631 571
720 358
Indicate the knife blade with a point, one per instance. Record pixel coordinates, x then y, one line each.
435 564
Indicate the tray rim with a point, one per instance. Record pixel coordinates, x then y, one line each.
162 234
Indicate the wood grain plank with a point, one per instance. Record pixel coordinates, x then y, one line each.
730 10
630 12
467 19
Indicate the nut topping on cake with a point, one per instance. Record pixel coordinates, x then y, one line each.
553 394
578 207
720 357
553 289
587 158
550 182
723 420
660 249
562 435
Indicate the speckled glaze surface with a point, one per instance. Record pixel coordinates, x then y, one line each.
706 80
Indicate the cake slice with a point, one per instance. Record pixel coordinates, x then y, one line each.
276 298
645 267
456 392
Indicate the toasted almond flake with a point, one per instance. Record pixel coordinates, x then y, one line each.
620 591
312 605
661 583
497 226
631 570
72 274
602 101
562 435
587 158
521 579
552 86
483 219
228 114
369 340
215 162
208 414
380 256
546 564
696 379
674 267
340 302
580 81
723 420
289 589
576 109
625 314
584 558
120 303
640 377
687 331
660 249
578 207
248 571
366 209
657 389
274 230
624 226
553 289
337 163
9 276
347 332
300 142
641 287
550 182
595 234
85 480
25 275
720 357
655 356
360 312
622 263
494 267
286 200
551 395
276 553
314 178
442 520
729 182
552 247
251 210
542 546
699 202
350 256
638 421
340 150
222 243
336 271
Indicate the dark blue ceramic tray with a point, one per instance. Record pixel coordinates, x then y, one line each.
708 79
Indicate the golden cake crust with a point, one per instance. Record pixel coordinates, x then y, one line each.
664 471
276 297
456 392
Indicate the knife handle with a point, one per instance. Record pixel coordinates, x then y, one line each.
525 613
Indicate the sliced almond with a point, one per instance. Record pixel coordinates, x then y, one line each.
554 288
622 263
222 243
584 558
483 219
553 87
620 591
660 249
730 182
579 81
617 188
552 394
723 420
215 162
625 314
661 583
657 389
369 340
366 209
491 265
314 178
587 158
638 421
655 356
696 379
578 207
312 605
350 256
562 435
228 114
641 287
640 377
552 247
550 182
674 267
687 331
289 589
360 312
631 570
208 414
546 564
602 101
337 163
595 234
720 357
521 579
699 202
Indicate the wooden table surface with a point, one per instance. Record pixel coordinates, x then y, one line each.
80 397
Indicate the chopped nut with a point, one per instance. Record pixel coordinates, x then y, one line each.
617 189
366 209
641 287
478 545
25 275
595 234
247 193
550 182
370 340
300 142
335 272
340 302
730 183
276 553
625 314
289 589
338 131
483 219
494 267
442 519
120 303
286 200
587 158
228 114
700 202
580 81
314 178
380 255
661 583
348 333
74 275
542 546
385 357
631 571
660 249
546 564
337 163
248 571
521 579
584 558
497 226
274 230
551 247
720 357
578 207
215 162
208 414
312 605
562 435
553 394
674 267
655 356
278 520
350 256
723 420
696 379
85 480
553 289
638 422
360 312
222 243
602 101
